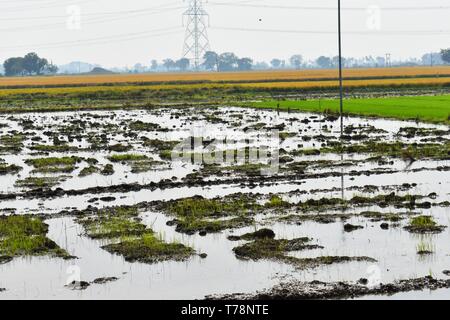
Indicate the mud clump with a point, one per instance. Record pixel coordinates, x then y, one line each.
108 170
316 290
105 280
5 259
9 169
272 249
384 226
277 250
260 234
107 199
191 226
78 285
83 285
350 227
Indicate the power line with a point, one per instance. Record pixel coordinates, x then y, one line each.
268 6
100 40
128 14
50 4
325 32
103 13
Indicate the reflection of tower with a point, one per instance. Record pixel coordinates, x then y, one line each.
196 41
388 60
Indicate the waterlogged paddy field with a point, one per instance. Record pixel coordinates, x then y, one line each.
93 206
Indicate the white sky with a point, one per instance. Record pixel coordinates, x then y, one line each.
41 26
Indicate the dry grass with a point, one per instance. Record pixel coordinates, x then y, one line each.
351 83
124 89
219 77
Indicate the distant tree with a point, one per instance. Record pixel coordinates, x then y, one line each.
169 64
211 60
154 65
260 65
324 62
139 68
276 63
13 66
296 61
50 69
335 62
245 64
32 64
227 61
445 55
381 61
182 64
434 58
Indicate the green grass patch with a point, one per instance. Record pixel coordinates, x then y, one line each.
276 201
396 150
137 242
424 224
26 236
127 157
88 171
12 143
53 148
150 249
192 225
39 182
52 164
198 207
424 108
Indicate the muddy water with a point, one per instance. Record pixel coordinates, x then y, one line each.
221 272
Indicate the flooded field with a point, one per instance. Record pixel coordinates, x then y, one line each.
263 204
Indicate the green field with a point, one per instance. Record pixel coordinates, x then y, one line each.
424 108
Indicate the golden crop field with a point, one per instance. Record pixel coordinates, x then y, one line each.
292 84
257 76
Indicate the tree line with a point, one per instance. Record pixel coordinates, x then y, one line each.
212 61
229 61
30 64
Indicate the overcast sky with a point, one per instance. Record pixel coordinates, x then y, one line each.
122 33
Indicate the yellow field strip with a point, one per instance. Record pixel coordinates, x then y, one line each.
222 76
268 85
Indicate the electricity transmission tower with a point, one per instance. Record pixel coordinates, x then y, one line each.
196 41
388 60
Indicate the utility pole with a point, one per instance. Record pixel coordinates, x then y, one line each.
341 86
341 96
196 41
